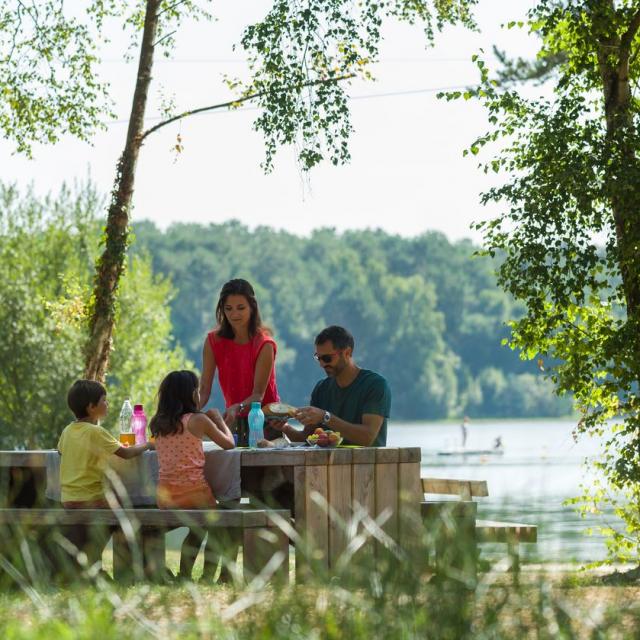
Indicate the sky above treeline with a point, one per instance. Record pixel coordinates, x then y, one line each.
407 173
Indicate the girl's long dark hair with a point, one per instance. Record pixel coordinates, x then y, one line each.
175 398
238 287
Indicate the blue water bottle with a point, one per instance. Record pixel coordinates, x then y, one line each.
256 425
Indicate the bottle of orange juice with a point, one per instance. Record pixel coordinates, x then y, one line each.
127 437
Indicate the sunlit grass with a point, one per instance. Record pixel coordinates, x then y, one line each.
498 609
390 594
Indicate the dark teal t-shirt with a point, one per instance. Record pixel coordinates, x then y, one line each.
368 393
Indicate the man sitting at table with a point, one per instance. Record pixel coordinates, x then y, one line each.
354 401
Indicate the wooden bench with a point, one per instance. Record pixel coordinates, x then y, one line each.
511 533
465 489
138 537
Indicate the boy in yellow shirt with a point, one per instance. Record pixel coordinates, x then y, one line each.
86 446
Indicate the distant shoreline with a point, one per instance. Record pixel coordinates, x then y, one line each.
457 421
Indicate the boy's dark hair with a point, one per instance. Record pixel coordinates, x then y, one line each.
338 336
83 393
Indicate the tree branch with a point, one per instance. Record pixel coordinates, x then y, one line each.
171 7
168 35
231 103
627 38
16 33
633 58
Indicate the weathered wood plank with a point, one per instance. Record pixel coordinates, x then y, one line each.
128 557
300 507
316 531
254 518
340 456
410 496
25 458
340 502
5 487
153 549
273 457
259 547
363 493
386 492
409 454
315 457
363 488
256 457
167 518
448 508
366 455
387 455
299 497
493 531
451 528
466 489
139 535
251 560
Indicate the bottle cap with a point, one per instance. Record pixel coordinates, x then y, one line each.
255 405
137 407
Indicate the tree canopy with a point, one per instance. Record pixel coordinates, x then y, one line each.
298 57
47 249
569 226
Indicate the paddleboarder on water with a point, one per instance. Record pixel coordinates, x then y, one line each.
463 428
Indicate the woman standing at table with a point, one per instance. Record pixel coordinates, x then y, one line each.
243 352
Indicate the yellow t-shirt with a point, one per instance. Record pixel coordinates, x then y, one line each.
85 448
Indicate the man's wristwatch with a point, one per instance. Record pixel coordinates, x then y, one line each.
326 418
241 407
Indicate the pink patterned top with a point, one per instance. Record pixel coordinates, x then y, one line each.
180 457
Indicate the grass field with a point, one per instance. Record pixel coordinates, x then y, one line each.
391 594
383 602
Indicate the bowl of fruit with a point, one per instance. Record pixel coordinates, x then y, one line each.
324 438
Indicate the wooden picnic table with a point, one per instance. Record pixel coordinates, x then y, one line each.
329 486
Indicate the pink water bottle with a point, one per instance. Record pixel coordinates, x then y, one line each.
139 424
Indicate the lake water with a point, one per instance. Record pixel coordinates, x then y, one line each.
541 467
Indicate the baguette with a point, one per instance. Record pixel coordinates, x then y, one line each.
280 409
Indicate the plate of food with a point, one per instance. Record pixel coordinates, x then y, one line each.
278 443
279 409
324 438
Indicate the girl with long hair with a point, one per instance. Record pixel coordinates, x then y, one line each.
179 427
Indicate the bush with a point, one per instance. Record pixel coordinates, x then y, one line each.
47 252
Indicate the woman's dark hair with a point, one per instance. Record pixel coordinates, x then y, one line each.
175 398
238 287
338 336
83 393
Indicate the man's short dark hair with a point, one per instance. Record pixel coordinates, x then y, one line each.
338 336
83 393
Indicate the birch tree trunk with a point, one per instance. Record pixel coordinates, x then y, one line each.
614 57
111 263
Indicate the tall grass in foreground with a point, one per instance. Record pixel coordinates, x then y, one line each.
314 611
377 590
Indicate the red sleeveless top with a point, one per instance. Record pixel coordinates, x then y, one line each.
236 364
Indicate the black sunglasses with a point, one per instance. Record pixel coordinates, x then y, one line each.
325 357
